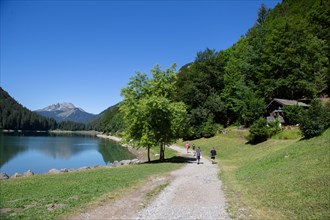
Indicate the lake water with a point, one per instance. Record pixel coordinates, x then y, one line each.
40 153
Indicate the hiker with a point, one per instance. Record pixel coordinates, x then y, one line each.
187 146
213 152
198 154
194 149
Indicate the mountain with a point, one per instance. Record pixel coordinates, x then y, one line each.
66 112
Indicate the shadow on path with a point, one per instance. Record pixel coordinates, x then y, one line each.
176 159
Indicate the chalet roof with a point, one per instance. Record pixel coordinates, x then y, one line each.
286 102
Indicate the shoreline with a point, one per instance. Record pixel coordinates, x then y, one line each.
138 153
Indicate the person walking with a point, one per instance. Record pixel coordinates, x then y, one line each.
194 149
198 154
187 147
213 152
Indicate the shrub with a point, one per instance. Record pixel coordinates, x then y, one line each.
259 131
293 114
315 120
274 127
209 128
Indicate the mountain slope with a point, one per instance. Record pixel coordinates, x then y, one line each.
66 112
16 117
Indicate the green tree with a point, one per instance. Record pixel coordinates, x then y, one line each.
151 115
316 119
293 114
262 14
199 86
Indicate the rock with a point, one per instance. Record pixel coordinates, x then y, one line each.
54 171
125 162
4 176
84 168
135 161
28 173
64 170
16 175
115 163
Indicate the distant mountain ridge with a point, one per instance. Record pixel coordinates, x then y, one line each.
66 112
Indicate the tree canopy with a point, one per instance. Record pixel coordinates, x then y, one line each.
151 115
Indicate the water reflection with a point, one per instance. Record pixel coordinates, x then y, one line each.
42 153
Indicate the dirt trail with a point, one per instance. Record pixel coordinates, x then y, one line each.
194 192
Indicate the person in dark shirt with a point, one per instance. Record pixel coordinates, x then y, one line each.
213 153
198 154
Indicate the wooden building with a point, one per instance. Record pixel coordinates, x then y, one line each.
275 109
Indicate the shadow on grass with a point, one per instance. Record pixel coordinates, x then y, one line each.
175 159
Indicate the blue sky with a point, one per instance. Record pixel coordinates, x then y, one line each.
85 52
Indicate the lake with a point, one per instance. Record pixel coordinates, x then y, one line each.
42 152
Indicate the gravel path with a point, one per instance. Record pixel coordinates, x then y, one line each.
195 193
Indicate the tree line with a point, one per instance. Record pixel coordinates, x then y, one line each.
284 55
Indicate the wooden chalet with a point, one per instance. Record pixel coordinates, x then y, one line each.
275 109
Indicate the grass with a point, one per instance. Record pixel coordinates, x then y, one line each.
283 178
50 196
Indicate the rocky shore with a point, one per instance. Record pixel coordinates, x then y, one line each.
137 153
55 171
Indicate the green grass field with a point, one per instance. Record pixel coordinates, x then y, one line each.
50 196
282 178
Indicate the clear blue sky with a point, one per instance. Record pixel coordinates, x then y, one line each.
84 52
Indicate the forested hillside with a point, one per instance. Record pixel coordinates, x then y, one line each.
15 116
284 55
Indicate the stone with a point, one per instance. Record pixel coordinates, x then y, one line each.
125 162
4 176
54 171
16 175
28 173
135 161
84 168
115 163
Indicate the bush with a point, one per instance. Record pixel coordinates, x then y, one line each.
315 120
293 114
274 127
209 128
259 131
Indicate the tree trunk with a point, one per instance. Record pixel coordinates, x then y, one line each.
162 152
148 153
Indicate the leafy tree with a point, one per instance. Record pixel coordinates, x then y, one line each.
316 119
199 86
151 115
293 114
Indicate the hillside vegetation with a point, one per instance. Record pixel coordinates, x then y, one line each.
283 178
285 54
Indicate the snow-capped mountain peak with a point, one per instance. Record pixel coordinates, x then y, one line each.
66 111
65 106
